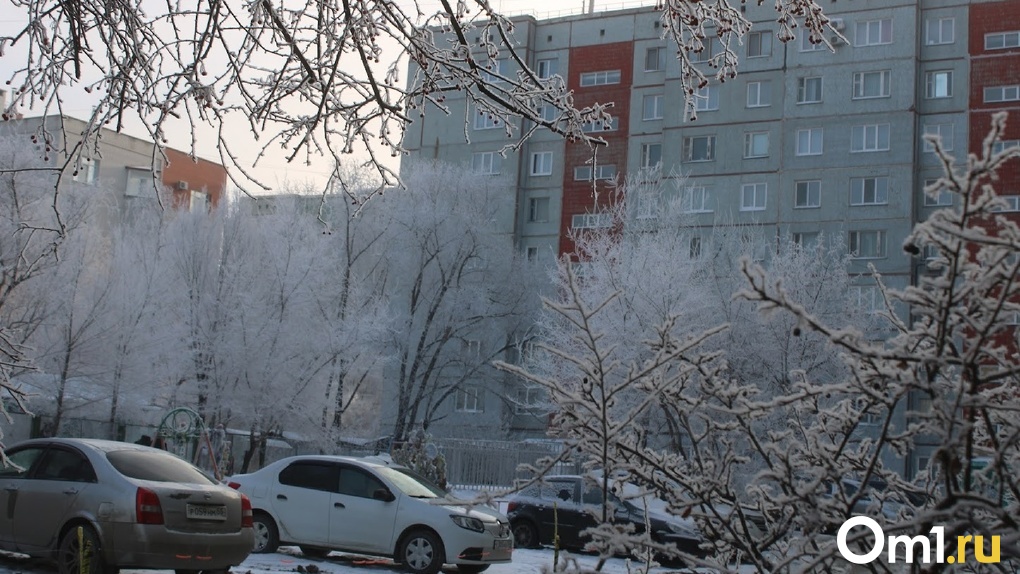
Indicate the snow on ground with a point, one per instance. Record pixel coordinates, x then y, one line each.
525 561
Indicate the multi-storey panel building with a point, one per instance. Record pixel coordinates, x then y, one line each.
806 141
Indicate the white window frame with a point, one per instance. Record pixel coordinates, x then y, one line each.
759 44
647 204
652 107
806 45
600 126
689 147
647 155
706 99
943 199
496 76
602 172
810 191
541 163
997 94
937 33
945 131
804 239
1012 204
759 193
591 220
696 199
88 171
469 399
711 48
658 54
878 240
528 399
873 32
866 297
861 84
935 89
486 121
1003 145
861 195
870 138
752 145
486 162
139 183
547 68
538 209
802 89
1002 40
599 78
812 134
762 92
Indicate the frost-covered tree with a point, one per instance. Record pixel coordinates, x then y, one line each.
320 78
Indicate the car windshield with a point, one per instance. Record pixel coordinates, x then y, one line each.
411 483
155 466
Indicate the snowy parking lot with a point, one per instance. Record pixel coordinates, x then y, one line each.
289 559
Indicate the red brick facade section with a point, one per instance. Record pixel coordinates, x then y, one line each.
577 195
199 174
994 68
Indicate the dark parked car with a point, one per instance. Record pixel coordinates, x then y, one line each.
133 506
568 505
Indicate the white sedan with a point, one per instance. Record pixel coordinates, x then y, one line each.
322 503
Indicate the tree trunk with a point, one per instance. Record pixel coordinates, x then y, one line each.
249 452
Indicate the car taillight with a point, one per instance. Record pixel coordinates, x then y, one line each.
234 485
246 519
512 506
147 508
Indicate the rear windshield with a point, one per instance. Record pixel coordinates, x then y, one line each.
156 466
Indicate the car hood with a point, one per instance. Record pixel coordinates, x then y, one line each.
481 512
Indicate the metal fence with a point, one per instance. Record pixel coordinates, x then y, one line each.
493 465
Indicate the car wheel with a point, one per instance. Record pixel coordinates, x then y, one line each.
421 552
525 534
72 553
472 568
267 537
314 552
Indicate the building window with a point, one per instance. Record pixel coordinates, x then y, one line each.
1002 94
600 126
590 220
699 148
869 190
1002 40
528 399
647 205
944 132
759 44
655 59
871 85
759 94
87 172
756 144
874 137
651 155
531 254
809 141
707 99
806 45
1003 145
469 399
808 194
651 107
753 196
198 201
494 72
541 163
940 31
711 48
694 247
583 172
938 84
486 121
1012 204
809 90
538 210
805 239
696 199
139 183
867 298
547 112
600 78
486 162
548 67
867 244
936 197
873 32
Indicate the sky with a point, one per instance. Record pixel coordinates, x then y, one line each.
274 170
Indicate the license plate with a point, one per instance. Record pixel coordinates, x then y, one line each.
504 544
206 512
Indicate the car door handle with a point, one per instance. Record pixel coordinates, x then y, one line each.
338 505
281 497
71 491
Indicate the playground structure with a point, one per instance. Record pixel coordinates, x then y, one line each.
183 432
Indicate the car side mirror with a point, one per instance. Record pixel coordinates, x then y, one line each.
383 495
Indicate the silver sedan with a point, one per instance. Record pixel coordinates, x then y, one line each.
104 505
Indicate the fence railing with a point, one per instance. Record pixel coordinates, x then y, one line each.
492 465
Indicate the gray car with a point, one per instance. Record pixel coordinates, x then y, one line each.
119 505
